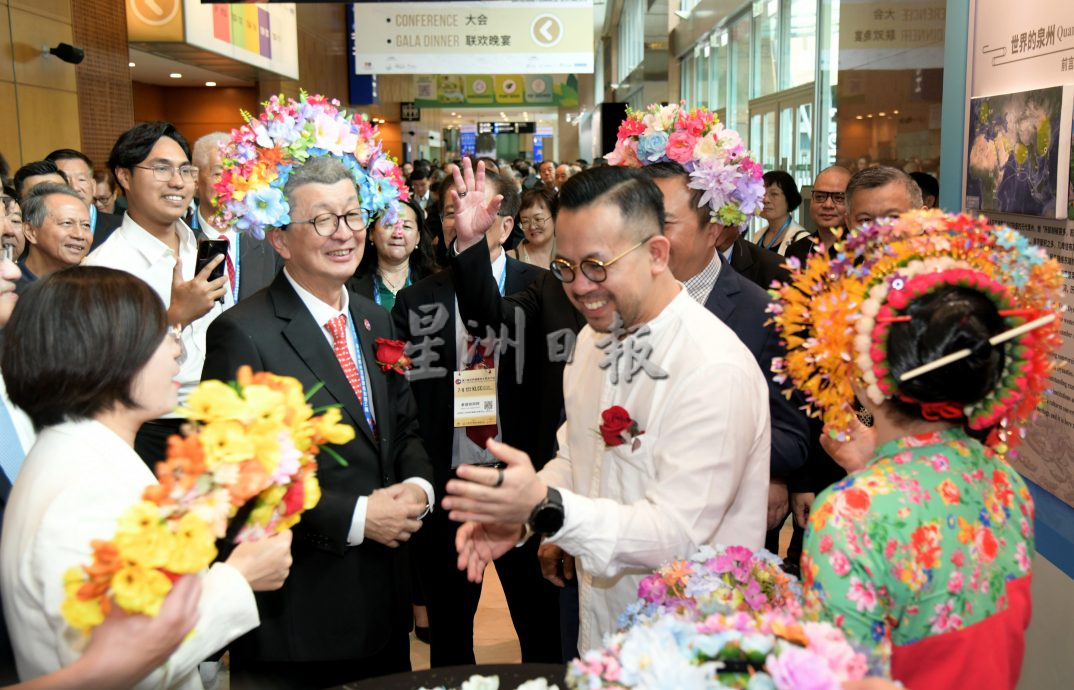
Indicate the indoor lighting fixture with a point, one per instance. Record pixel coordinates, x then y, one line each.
210 83
130 64
869 115
896 112
882 114
858 117
175 75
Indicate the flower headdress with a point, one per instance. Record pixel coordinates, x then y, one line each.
261 154
714 157
836 313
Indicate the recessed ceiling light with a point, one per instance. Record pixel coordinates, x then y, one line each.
882 114
130 64
896 112
859 117
210 83
453 114
175 75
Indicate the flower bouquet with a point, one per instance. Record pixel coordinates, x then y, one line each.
723 580
765 651
254 442
714 157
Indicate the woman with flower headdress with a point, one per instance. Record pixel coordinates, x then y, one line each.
944 327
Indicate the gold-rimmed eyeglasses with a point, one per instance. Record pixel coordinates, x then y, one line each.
593 269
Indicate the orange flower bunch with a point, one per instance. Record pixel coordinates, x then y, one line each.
257 440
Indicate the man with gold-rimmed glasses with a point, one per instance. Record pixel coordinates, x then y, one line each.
689 464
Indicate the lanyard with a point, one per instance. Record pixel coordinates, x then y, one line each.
775 240
500 284
238 269
367 394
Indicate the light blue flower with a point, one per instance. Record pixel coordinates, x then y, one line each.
268 207
651 146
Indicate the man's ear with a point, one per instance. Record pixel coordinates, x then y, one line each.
30 233
123 179
277 237
508 226
659 252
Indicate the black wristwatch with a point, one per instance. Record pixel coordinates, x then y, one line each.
547 517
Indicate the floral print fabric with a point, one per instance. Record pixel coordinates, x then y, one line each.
920 543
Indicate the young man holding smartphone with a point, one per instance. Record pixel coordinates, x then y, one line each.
151 162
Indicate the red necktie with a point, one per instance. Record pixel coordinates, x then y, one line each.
337 326
481 434
229 264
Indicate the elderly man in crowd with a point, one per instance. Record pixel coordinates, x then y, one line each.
78 169
56 223
344 612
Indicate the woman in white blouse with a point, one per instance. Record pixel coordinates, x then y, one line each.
89 356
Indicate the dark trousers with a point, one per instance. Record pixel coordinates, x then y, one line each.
452 600
314 675
569 619
151 441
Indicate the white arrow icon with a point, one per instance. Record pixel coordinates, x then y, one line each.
546 30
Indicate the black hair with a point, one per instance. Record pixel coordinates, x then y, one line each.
538 195
422 263
669 170
631 191
420 174
507 189
950 319
928 184
77 340
36 168
134 145
787 185
69 154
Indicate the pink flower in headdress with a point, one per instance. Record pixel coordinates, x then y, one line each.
625 154
681 147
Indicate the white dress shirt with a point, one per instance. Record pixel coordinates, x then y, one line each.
699 476
132 249
322 313
76 482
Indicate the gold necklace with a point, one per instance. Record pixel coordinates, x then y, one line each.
392 286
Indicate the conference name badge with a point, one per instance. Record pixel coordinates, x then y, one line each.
475 397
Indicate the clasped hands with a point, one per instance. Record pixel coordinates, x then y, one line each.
393 514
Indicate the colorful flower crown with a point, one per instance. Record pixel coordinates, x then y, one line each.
835 314
261 154
714 157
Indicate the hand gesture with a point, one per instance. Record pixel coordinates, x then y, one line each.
854 453
478 545
801 504
557 565
473 217
778 503
194 298
265 563
391 515
484 494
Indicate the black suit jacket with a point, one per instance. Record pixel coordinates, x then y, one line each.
545 310
435 395
760 265
339 602
743 307
8 673
106 225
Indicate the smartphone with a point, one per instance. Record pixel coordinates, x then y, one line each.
207 251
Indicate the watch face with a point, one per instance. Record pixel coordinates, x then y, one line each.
549 519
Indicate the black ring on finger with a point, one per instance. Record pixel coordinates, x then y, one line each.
499 478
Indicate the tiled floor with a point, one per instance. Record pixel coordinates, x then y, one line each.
495 641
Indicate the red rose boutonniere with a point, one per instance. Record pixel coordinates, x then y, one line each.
617 428
391 357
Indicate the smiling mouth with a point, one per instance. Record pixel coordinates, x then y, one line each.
174 198
341 252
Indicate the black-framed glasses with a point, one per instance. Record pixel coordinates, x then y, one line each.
164 172
838 198
535 220
326 224
593 269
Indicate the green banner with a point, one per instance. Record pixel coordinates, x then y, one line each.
507 90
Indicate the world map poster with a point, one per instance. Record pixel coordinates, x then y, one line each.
1013 164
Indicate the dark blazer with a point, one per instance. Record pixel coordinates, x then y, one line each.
362 284
339 602
106 225
735 301
760 265
743 307
545 310
8 673
435 395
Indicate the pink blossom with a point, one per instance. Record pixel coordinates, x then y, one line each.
863 594
840 563
945 619
955 582
1023 557
625 154
681 147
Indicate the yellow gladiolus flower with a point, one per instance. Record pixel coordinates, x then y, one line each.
313 493
82 614
226 441
264 405
140 590
213 400
143 537
330 428
195 546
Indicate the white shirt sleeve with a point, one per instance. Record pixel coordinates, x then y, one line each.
357 532
704 454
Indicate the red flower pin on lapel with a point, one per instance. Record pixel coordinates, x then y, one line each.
617 428
391 355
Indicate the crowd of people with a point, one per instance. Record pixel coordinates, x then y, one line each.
527 289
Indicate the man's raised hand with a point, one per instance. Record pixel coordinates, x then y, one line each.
473 217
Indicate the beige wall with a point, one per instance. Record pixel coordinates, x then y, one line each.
38 95
1049 660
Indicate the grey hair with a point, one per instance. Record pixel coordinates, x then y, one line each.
316 170
34 210
204 146
883 175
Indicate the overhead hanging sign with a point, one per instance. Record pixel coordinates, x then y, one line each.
475 90
514 36
264 36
